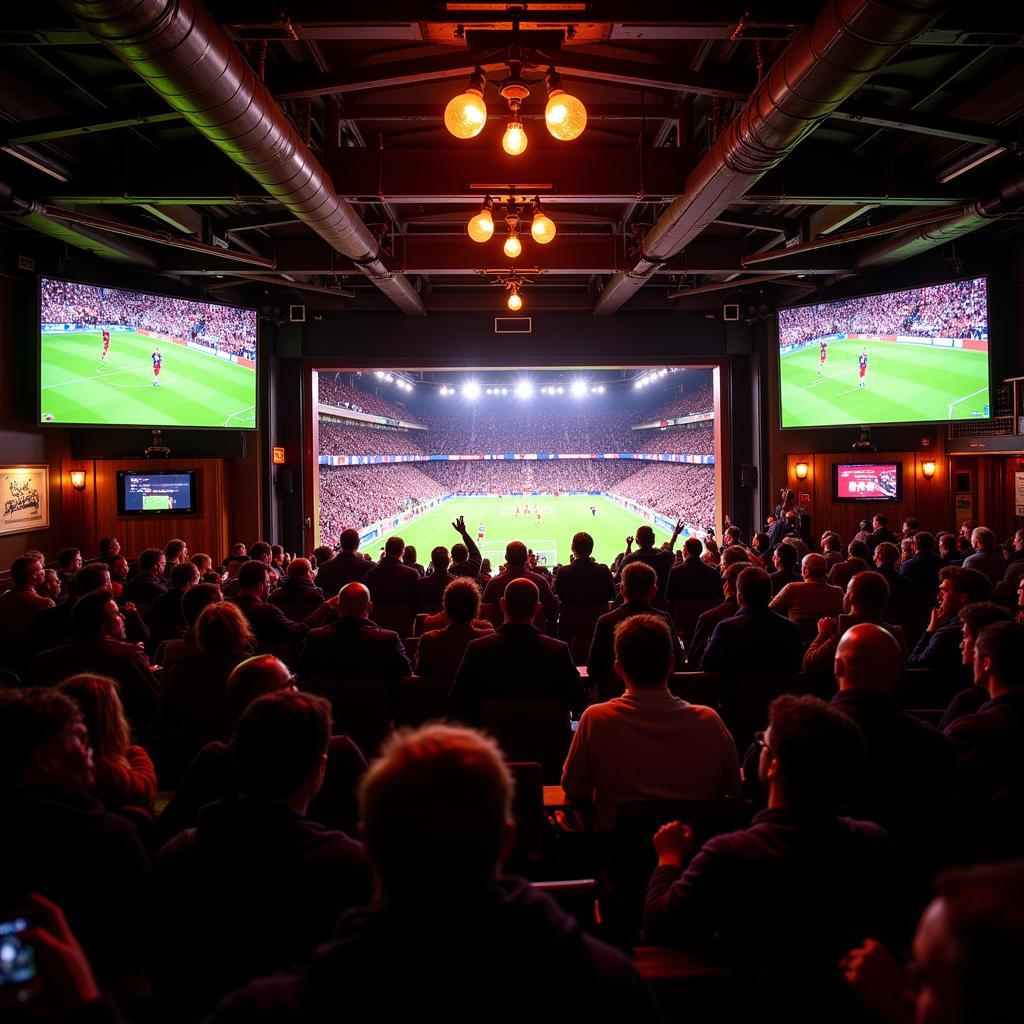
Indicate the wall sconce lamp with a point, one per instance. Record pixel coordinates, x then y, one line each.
928 469
801 471
78 479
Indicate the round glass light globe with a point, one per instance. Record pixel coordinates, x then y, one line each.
466 114
514 140
481 227
513 247
543 228
515 302
565 116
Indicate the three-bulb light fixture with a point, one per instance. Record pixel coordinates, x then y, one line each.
481 225
466 114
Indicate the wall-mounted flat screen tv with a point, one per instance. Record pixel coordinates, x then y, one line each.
875 481
914 356
115 357
160 493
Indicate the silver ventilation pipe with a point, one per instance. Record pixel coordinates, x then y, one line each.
820 69
177 48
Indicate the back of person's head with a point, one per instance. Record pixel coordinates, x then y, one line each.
354 601
924 541
253 678
833 542
520 600
692 547
818 749
196 598
252 575
643 651
460 553
222 629
98 698
184 576
754 588
276 552
583 544
299 569
439 559
857 549
409 555
868 657
970 584
733 535
638 580
881 521
280 739
732 575
91 613
814 566
461 600
66 557
970 943
787 555
349 540
984 538
149 559
868 592
733 556
323 554
947 543
516 554
1001 647
910 524
436 804
174 549
645 537
261 551
393 547
202 561
887 554
23 570
975 617
93 577
30 722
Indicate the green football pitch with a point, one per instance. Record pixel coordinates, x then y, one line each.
560 517
196 389
904 383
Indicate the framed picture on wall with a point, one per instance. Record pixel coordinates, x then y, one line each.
24 499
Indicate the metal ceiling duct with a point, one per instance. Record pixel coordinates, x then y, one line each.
962 221
178 49
820 69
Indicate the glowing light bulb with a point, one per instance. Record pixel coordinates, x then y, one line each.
515 303
514 140
466 114
513 247
565 116
481 227
543 228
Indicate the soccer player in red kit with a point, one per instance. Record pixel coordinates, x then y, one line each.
157 363
824 356
106 344
862 363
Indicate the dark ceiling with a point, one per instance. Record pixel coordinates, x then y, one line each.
688 181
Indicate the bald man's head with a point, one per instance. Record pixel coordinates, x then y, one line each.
253 678
868 658
300 569
814 567
354 601
520 601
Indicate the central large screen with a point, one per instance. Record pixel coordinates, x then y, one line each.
111 357
913 356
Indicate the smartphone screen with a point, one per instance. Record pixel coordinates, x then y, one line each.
17 957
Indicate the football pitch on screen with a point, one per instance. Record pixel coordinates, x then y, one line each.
551 539
904 384
196 389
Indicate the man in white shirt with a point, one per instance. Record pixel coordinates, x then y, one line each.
648 744
813 597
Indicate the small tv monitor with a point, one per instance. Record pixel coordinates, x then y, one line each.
114 357
873 481
162 493
920 355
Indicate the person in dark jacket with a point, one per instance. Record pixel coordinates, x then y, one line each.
887 558
660 560
756 639
60 841
256 885
785 561
973 618
923 568
346 567
583 580
516 663
707 621
430 589
436 812
823 881
693 580
466 560
268 622
880 534
391 581
299 595
148 583
166 609
516 567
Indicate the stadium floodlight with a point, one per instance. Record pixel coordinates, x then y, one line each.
579 388
524 389
561 390
379 374
504 391
471 390
661 373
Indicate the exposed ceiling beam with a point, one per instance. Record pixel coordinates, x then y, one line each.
401 112
49 128
925 124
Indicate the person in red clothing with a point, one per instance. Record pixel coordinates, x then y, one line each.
124 775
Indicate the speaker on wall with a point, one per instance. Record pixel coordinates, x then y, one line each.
285 480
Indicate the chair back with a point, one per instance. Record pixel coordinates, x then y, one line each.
685 614
359 707
411 645
417 626
921 688
697 687
283 650
578 621
397 617
528 811
746 700
808 625
530 730
420 700
911 616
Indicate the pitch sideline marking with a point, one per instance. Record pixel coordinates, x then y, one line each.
971 395
82 380
239 413
820 380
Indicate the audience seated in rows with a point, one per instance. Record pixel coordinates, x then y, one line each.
661 560
707 621
973 619
692 579
346 567
440 651
391 581
922 569
811 598
516 559
298 596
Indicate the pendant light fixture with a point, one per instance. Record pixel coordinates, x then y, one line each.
466 114
565 115
514 90
481 226
542 228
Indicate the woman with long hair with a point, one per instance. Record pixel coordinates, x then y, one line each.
123 773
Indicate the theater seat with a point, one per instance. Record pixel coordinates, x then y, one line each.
421 700
397 617
360 707
746 700
685 615
577 621
530 730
